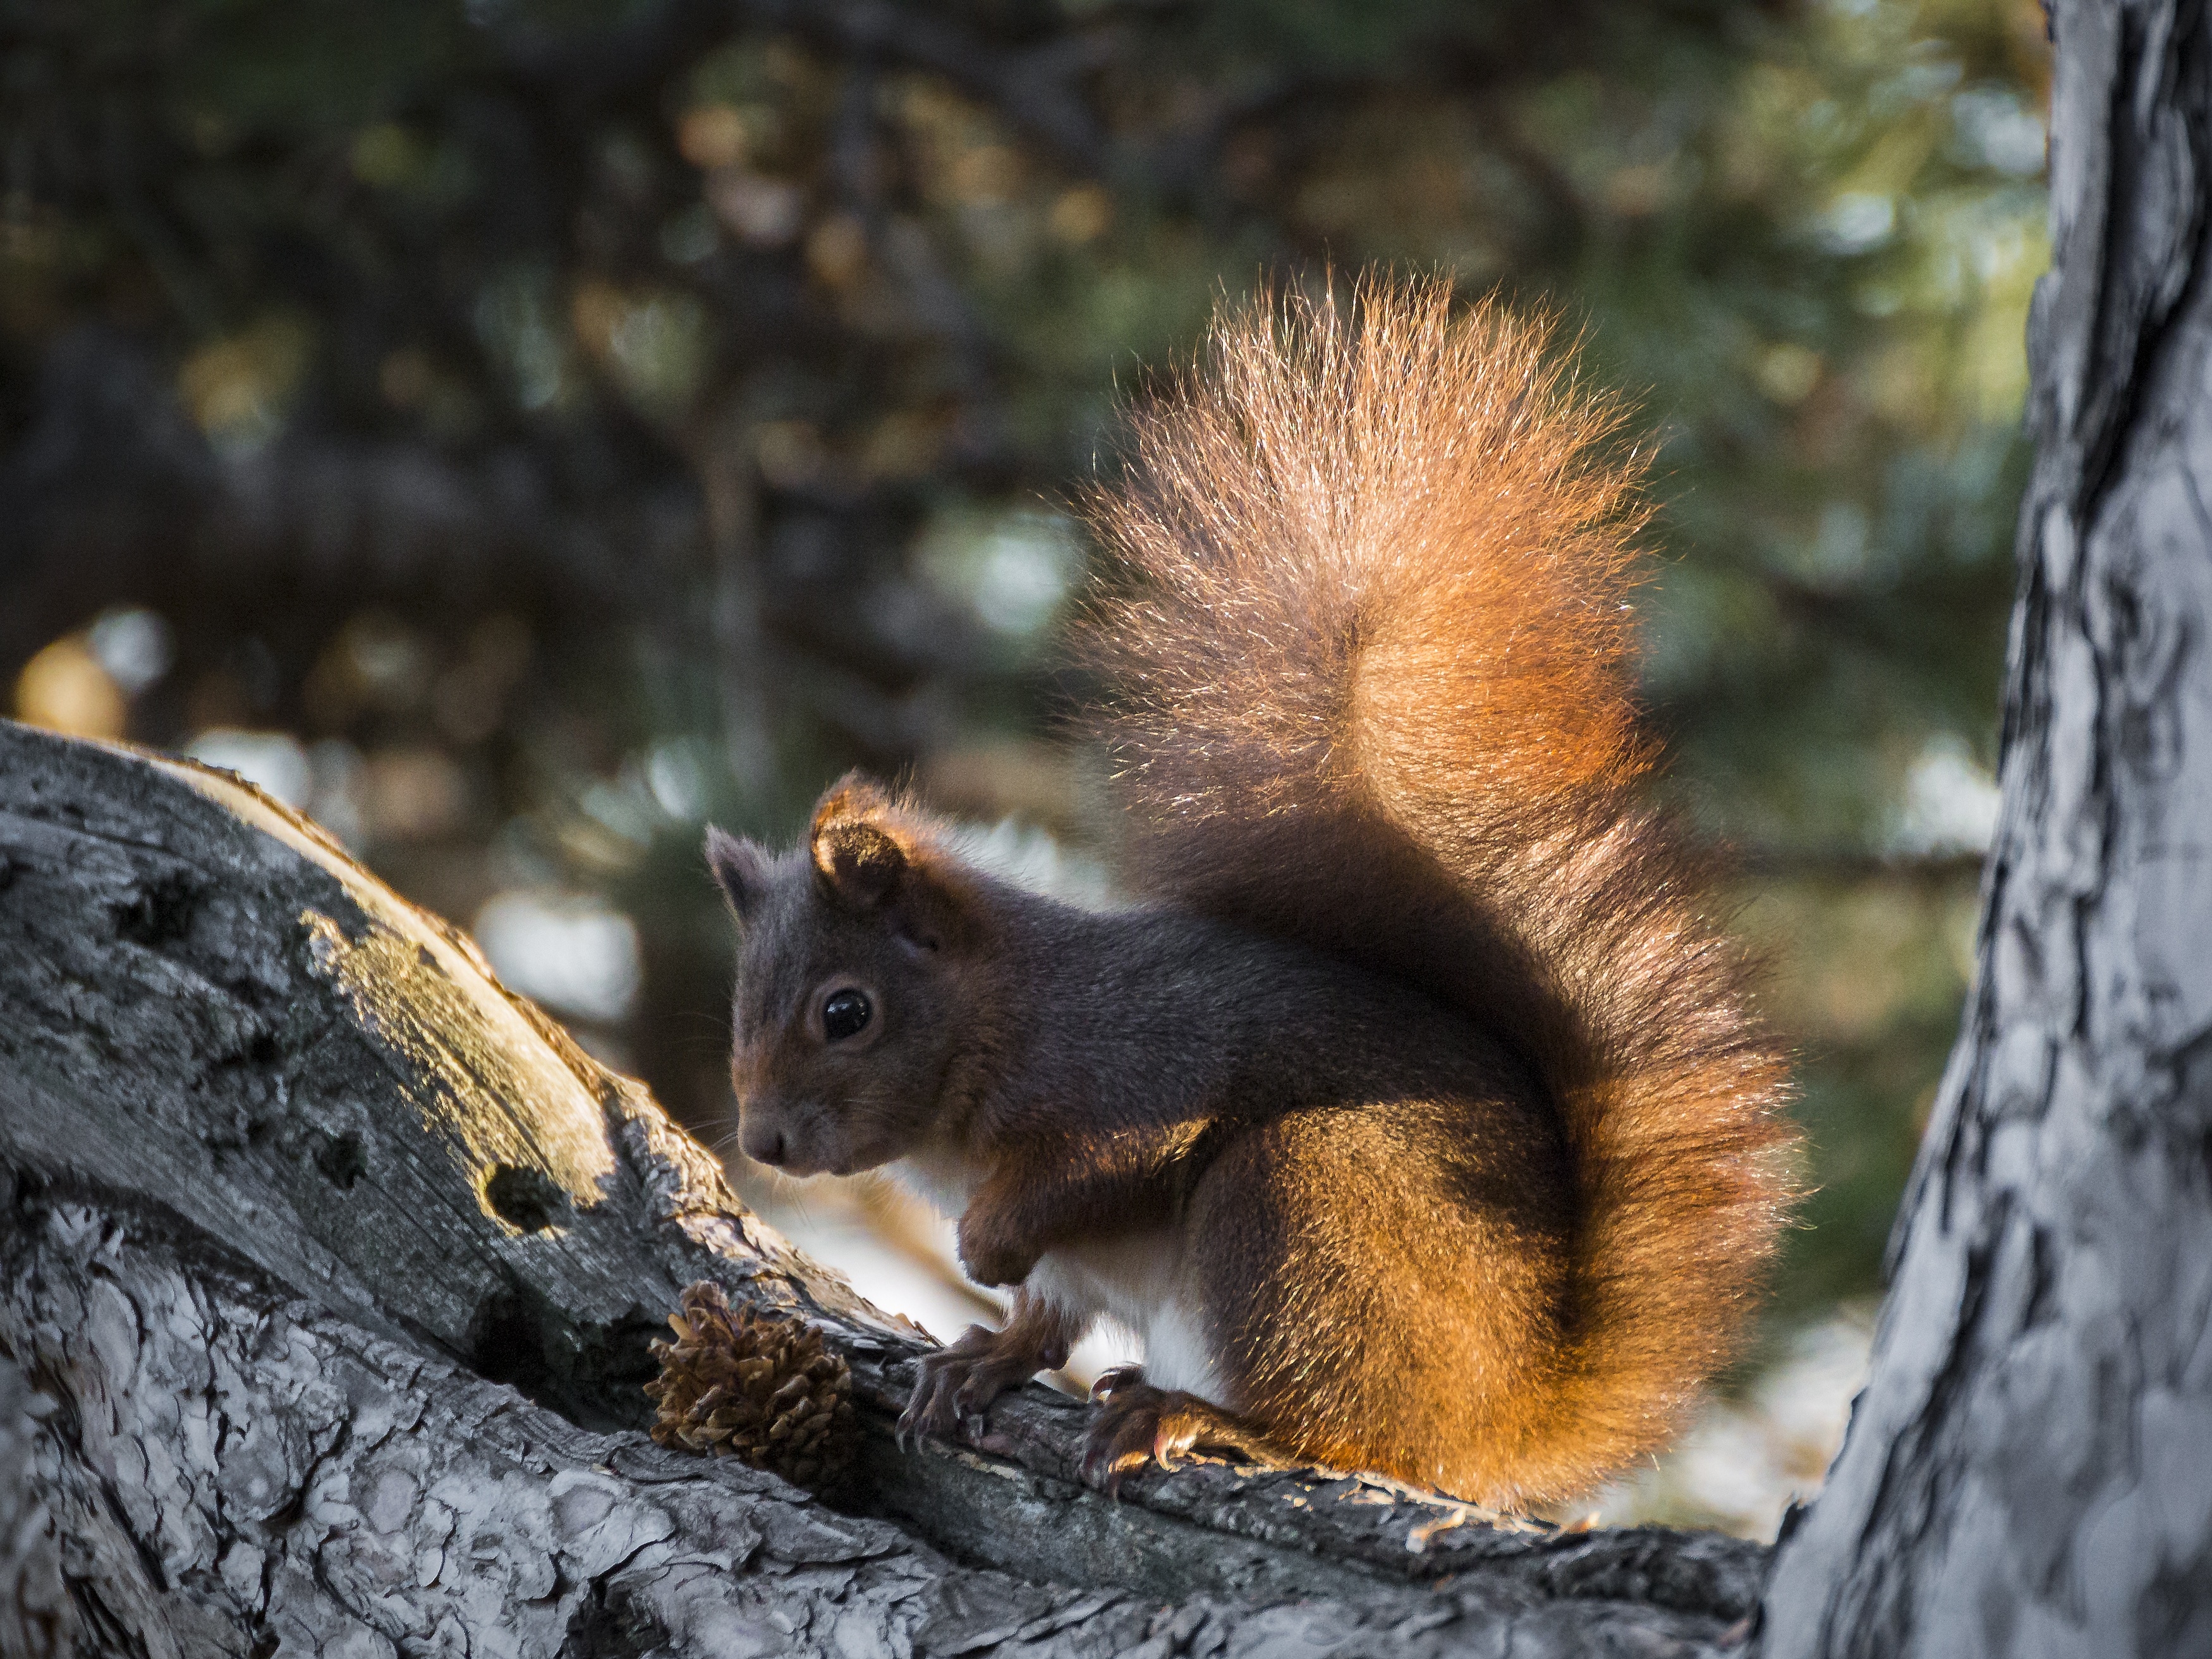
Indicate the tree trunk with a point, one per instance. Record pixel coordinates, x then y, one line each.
326 1271
2030 1469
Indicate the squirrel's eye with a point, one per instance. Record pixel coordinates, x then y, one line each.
846 1014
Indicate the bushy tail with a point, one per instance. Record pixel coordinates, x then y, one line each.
1369 686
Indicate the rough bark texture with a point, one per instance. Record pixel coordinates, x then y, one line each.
2030 1469
326 1270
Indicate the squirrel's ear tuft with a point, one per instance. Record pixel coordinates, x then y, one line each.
858 853
741 870
876 856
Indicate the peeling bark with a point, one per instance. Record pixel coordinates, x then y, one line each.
2030 1469
326 1270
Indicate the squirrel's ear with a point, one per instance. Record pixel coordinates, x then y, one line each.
741 870
869 856
857 853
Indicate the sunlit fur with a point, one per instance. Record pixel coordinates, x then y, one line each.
1372 672
1421 1073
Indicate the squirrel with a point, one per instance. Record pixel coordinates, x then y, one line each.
1413 1112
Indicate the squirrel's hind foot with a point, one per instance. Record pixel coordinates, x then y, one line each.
1137 1423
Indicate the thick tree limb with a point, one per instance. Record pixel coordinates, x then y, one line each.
327 1271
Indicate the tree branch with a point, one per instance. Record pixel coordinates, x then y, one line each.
333 1266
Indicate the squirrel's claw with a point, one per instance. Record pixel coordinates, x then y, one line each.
958 1383
1119 1376
1138 1424
929 1408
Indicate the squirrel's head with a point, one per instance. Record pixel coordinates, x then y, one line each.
849 1011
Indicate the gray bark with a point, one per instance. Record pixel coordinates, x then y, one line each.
2030 1469
326 1269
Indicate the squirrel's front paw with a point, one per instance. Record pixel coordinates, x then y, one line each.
990 1257
960 1381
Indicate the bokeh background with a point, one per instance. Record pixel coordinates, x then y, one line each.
520 431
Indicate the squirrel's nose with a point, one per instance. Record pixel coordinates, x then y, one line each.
765 1144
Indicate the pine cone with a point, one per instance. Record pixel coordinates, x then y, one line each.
758 1386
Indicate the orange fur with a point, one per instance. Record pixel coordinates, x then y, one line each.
1370 691
1418 1120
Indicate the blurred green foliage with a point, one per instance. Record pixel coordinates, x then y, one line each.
569 421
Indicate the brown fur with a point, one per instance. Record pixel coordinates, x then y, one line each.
1422 1054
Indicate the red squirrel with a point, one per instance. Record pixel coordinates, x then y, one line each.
1412 1113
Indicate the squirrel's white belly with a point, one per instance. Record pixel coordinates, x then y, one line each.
1140 1281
